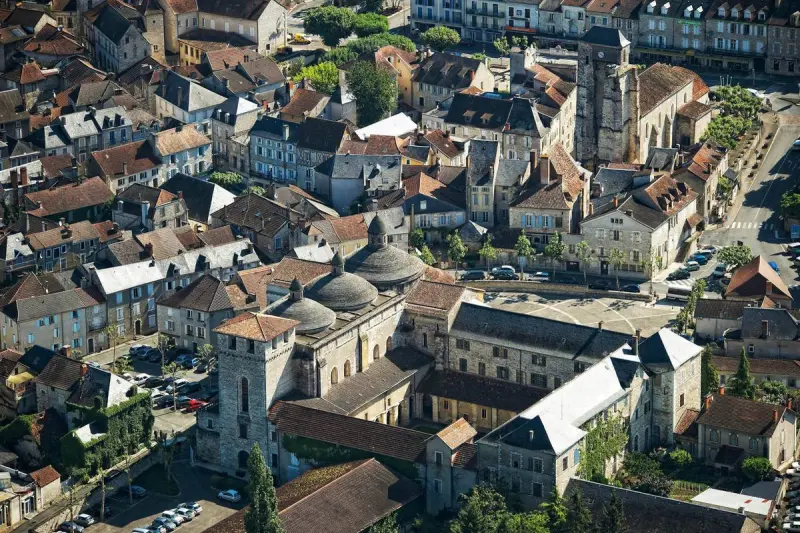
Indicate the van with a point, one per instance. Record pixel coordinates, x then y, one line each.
678 293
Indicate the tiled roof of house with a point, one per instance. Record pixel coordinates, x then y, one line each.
79 231
717 308
751 280
254 212
321 135
52 41
702 161
80 71
466 456
433 296
31 73
61 372
687 426
565 186
694 110
70 197
447 70
741 415
248 9
481 390
256 327
12 106
229 57
186 94
658 82
24 309
768 367
206 293
12 34
135 157
54 165
206 40
45 476
180 7
217 236
303 101
174 140
256 280
111 23
29 285
24 17
138 194
457 433
373 437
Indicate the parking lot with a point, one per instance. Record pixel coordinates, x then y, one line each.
620 315
194 484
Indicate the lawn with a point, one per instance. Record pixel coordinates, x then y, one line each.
155 479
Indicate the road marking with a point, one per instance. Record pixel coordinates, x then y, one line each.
785 159
556 309
633 329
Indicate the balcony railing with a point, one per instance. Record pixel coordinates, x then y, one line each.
485 12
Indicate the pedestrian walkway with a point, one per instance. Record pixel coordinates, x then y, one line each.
752 225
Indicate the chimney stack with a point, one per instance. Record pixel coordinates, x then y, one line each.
636 338
544 170
707 401
148 249
600 325
124 168
768 289
615 201
23 176
180 195
774 416
722 390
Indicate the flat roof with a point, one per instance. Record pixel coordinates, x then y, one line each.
722 499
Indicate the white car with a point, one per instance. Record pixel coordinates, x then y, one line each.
186 514
84 520
173 516
194 506
229 495
176 384
139 379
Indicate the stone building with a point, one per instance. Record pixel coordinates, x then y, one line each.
700 168
260 21
230 127
182 149
115 35
441 75
140 208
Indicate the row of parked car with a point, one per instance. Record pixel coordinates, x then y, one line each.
791 521
508 272
696 261
170 520
183 357
84 520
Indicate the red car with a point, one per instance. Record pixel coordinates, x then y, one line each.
194 405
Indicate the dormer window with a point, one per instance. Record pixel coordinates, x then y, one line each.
734 13
748 14
687 13
762 15
699 12
651 7
665 8
721 12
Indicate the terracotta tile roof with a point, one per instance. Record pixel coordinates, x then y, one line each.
624 166
442 142
767 367
54 42
138 156
457 433
45 476
542 74
206 293
438 275
217 236
466 456
173 141
660 81
601 6
694 109
57 200
31 73
181 7
718 308
751 280
26 287
556 96
382 145
668 195
429 295
566 183
53 165
686 426
240 299
741 415
107 231
703 161
80 231
699 87
372 437
40 121
61 372
229 57
256 327
12 34
256 280
139 193
390 51
303 101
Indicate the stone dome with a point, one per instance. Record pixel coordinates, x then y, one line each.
383 265
313 316
340 290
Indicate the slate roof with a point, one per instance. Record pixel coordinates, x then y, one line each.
257 327
605 37
12 106
61 372
254 212
741 415
494 114
666 350
193 96
321 135
655 514
112 23
372 437
24 17
138 194
362 388
724 309
35 307
70 197
202 197
781 324
206 294
609 182
206 39
247 9
565 186
112 389
36 358
481 390
447 70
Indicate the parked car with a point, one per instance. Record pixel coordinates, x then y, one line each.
631 287
183 401
202 368
174 353
194 405
154 381
175 517
140 379
720 270
165 522
188 388
190 362
147 530
505 275
165 401
679 274
473 275
138 492
84 520
153 355
793 248
540 276
569 279
600 286
152 528
796 145
96 511
176 384
691 266
138 349
229 495
497 269
186 514
774 266
710 250
70 527
194 506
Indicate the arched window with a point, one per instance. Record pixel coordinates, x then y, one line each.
334 376
656 435
347 368
389 344
245 394
243 456
376 353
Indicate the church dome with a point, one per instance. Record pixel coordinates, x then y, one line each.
381 264
313 316
340 290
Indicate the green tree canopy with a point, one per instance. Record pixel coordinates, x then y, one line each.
579 516
340 55
742 384
482 510
613 520
584 253
331 23
617 258
725 130
757 468
556 511
790 204
555 249
226 180
502 46
487 251
324 77
773 391
373 6
370 23
456 250
709 377
426 255
262 514
735 256
440 38
416 238
680 458
366 45
374 89
738 101
256 189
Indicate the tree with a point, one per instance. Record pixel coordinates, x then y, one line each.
456 250
487 251
426 255
367 24
374 89
331 23
482 510
735 256
613 520
534 522
742 383
584 253
555 249
367 45
128 462
651 263
557 513
680 458
738 101
416 238
502 46
387 524
579 517
617 258
262 514
164 343
102 479
373 6
709 377
524 250
341 55
165 446
256 189
204 352
120 366
757 468
790 204
174 371
324 77
725 130
112 335
440 38
773 391
226 180
73 502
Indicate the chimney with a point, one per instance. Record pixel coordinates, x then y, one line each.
722 390
285 132
23 176
62 221
114 227
768 289
14 179
373 205
534 162
615 201
124 168
66 350
180 195
544 170
707 401
600 325
145 213
591 209
120 203
765 328
148 249
636 338
84 370
774 416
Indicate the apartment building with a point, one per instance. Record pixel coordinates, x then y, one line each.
230 125
273 151
484 21
70 245
259 21
426 14
441 75
182 149
737 35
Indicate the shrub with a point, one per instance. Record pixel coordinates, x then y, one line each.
680 458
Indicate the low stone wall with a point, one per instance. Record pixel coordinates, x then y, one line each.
552 288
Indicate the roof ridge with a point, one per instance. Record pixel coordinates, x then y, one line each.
368 460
